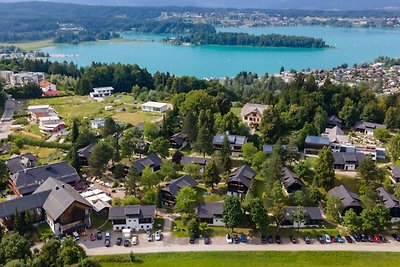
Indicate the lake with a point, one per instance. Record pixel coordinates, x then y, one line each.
352 45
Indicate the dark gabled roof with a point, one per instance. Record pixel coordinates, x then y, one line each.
21 204
395 171
334 120
210 210
86 151
179 138
176 185
388 199
28 180
195 160
132 211
268 149
236 140
348 198
61 197
250 108
290 178
364 125
151 160
313 213
346 158
317 140
15 163
244 174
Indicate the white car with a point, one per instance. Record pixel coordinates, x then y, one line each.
134 240
75 235
229 239
108 236
328 239
157 236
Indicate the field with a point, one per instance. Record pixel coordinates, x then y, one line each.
255 259
33 45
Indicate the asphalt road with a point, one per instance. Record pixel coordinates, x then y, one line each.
5 122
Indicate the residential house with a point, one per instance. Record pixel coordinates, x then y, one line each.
252 114
39 111
235 141
26 181
178 141
291 181
21 162
268 149
314 144
395 173
334 121
349 199
84 154
368 128
211 213
239 180
391 203
51 124
134 217
173 187
97 123
156 107
49 89
53 201
24 78
152 161
313 218
101 92
202 162
347 161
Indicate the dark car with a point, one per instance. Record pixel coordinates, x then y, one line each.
92 236
357 237
127 243
370 238
278 239
99 235
107 243
363 238
270 239
383 239
348 239
119 241
191 239
263 239
206 240
307 240
243 238
321 239
293 239
396 237
236 239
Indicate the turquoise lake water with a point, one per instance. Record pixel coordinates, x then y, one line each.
352 45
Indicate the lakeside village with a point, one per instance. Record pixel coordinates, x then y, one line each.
89 165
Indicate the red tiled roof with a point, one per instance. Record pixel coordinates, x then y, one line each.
44 83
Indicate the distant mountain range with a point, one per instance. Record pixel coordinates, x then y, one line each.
268 4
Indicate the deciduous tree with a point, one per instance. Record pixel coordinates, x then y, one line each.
232 213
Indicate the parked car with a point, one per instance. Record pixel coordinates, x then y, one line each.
363 238
348 239
157 235
307 240
236 239
99 235
376 239
150 237
92 236
206 240
108 235
270 239
229 239
278 239
191 239
328 239
107 243
339 239
293 239
356 237
119 241
134 240
263 239
370 238
127 243
75 235
383 239
321 239
396 237
243 238
333 239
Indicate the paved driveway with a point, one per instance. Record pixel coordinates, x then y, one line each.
5 122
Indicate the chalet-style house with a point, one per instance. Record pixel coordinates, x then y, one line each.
314 144
349 199
334 121
252 114
178 141
367 128
21 162
152 161
394 172
291 181
134 217
239 181
391 203
211 213
53 201
26 181
313 218
347 161
236 142
173 187
84 154
202 162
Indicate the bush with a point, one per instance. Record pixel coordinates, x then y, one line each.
41 143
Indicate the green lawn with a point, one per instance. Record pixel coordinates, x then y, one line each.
33 45
100 221
255 259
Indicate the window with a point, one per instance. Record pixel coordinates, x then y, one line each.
141 226
117 228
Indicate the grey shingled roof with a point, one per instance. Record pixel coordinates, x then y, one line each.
179 138
290 178
236 140
369 125
131 211
347 197
317 140
313 213
249 108
28 180
195 160
388 199
151 160
345 158
395 171
21 204
176 185
210 210
86 151
14 164
244 174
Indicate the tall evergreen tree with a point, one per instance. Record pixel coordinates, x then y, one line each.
225 154
74 130
189 126
324 171
211 174
73 158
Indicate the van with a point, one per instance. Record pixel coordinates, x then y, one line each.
75 235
